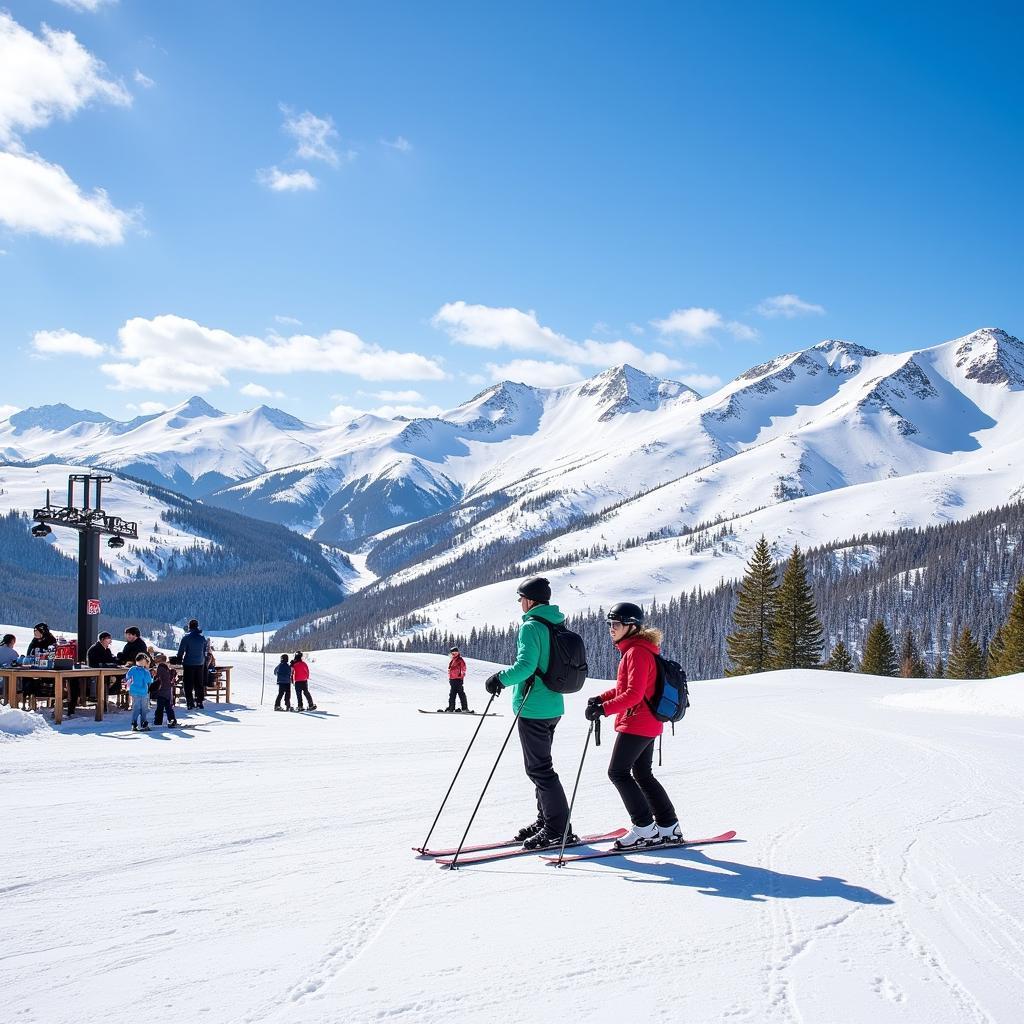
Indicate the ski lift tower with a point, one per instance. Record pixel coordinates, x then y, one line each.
91 522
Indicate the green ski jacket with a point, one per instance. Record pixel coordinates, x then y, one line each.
532 655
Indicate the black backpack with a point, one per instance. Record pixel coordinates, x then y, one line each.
567 663
671 694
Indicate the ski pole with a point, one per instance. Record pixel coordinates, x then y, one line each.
462 841
437 818
595 727
659 751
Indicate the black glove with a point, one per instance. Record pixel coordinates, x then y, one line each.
593 701
493 685
594 712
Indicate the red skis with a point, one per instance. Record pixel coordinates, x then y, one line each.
504 852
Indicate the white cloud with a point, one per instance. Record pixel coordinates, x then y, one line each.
172 353
411 411
7 410
287 181
259 391
537 372
696 325
39 197
493 327
85 6
394 396
314 136
47 76
142 79
288 321
788 306
43 78
635 329
400 142
146 408
702 381
61 342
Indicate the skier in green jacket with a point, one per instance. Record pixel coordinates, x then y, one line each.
539 710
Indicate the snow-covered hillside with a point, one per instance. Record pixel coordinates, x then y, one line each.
257 868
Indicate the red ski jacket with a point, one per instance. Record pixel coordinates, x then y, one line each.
457 667
300 671
634 682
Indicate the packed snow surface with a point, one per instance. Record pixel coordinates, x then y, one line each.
257 868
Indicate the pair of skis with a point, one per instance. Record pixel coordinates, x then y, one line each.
486 853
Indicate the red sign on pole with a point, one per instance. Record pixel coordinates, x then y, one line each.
92 606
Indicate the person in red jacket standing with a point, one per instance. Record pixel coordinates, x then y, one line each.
300 677
648 805
456 677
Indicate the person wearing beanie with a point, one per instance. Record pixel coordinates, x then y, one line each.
283 675
539 710
456 679
300 677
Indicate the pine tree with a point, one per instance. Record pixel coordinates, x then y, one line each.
939 672
797 636
995 653
911 664
879 653
839 660
965 659
1011 658
241 646
750 645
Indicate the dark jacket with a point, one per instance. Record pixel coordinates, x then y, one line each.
99 656
131 651
164 680
193 648
283 671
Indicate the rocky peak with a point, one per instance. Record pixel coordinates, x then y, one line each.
54 417
991 356
623 389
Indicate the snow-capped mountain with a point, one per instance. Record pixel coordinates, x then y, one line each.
620 455
192 447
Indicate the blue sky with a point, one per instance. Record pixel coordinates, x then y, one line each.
331 206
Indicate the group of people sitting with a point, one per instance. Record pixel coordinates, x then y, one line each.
195 656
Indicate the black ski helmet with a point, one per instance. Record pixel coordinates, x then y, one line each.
535 589
626 613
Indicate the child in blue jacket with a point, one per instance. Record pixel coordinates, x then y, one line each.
138 679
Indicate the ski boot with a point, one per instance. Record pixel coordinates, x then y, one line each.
638 837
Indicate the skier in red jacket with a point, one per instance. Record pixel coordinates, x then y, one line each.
648 805
300 677
456 677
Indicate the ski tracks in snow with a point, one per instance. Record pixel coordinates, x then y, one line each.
343 952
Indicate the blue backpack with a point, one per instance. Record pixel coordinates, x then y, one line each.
671 694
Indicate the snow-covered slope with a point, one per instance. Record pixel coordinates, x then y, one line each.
222 873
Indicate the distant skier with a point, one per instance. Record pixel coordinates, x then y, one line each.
300 676
541 711
648 805
283 674
456 678
139 678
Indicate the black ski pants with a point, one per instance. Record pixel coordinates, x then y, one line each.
300 690
536 736
284 693
74 694
164 704
455 690
193 682
630 771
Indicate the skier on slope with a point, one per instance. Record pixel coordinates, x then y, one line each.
456 677
540 710
648 805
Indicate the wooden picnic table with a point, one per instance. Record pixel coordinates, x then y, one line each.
59 677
